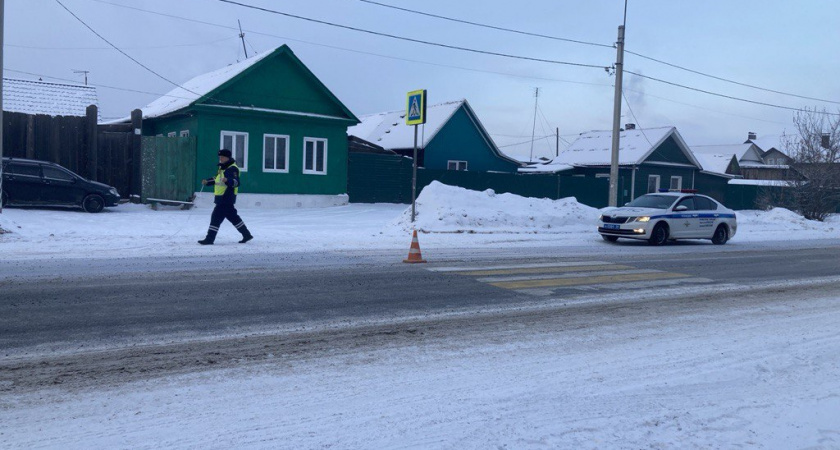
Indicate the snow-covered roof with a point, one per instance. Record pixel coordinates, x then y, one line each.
744 152
714 163
594 148
197 87
53 99
388 129
777 183
766 143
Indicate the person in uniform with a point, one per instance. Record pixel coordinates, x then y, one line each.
226 186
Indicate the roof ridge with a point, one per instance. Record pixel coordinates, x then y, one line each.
82 86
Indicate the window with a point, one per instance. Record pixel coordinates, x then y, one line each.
28 170
653 184
602 175
315 156
185 133
171 134
237 143
676 183
456 165
275 153
688 203
704 203
57 174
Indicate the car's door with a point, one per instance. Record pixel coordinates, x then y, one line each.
60 187
685 223
709 216
22 182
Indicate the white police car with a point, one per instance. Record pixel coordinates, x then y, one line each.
667 216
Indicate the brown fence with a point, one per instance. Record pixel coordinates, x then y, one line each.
108 154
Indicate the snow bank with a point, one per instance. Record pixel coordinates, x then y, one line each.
784 224
449 209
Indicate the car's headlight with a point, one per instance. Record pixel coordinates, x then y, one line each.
114 191
601 218
643 219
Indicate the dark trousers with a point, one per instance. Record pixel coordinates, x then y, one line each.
222 212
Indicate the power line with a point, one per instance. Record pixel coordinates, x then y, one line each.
721 95
635 119
124 53
729 81
510 30
418 41
155 47
93 85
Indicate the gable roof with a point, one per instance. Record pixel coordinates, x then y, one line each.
767 143
594 148
53 99
388 129
203 87
744 152
716 164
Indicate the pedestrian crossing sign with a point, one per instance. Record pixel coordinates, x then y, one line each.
416 108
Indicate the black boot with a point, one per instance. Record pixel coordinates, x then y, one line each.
211 237
246 235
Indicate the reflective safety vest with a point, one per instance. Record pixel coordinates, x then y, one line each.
219 188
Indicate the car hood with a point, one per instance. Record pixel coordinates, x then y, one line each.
626 211
99 185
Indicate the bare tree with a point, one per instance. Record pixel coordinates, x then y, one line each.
815 153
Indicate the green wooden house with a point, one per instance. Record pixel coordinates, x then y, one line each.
453 138
649 160
287 131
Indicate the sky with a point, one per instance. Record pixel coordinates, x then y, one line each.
771 44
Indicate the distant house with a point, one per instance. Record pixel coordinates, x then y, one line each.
649 160
453 138
754 162
287 131
51 99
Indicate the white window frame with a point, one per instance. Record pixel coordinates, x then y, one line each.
276 137
658 181
315 141
243 163
185 133
679 183
171 134
458 164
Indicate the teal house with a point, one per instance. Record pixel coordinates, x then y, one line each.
287 131
452 139
649 160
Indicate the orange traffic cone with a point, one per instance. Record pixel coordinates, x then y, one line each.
414 252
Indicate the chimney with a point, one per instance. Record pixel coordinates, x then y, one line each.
825 140
630 126
751 135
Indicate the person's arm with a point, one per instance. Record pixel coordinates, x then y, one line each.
208 181
231 177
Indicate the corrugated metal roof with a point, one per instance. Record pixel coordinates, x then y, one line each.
53 99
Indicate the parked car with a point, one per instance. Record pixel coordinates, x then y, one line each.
28 182
668 216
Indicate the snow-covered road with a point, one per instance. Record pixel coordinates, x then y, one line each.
739 369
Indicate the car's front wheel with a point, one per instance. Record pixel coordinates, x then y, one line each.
609 238
659 235
93 203
721 235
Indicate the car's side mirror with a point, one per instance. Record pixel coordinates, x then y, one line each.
681 208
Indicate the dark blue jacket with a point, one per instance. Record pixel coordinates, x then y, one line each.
230 171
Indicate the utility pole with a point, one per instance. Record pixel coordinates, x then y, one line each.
534 128
242 36
619 70
84 72
2 20
557 135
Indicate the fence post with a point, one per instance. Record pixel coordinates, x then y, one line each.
135 168
30 136
92 142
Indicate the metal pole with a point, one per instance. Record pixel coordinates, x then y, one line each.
557 134
619 70
242 36
414 177
534 128
2 20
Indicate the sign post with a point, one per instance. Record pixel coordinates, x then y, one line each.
415 115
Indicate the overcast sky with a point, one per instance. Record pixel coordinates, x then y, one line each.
780 45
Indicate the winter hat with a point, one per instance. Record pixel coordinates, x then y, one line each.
225 152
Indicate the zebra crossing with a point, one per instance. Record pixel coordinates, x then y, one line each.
543 279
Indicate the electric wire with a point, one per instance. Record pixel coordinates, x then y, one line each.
482 25
418 41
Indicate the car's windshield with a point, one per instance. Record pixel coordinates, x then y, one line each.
653 201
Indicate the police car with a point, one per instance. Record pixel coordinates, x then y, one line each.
668 216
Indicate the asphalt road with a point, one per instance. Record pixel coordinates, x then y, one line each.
130 301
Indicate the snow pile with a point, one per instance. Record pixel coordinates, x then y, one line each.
449 209
752 224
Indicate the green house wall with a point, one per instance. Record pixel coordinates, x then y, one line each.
280 83
460 139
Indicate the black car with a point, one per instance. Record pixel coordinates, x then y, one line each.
27 182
